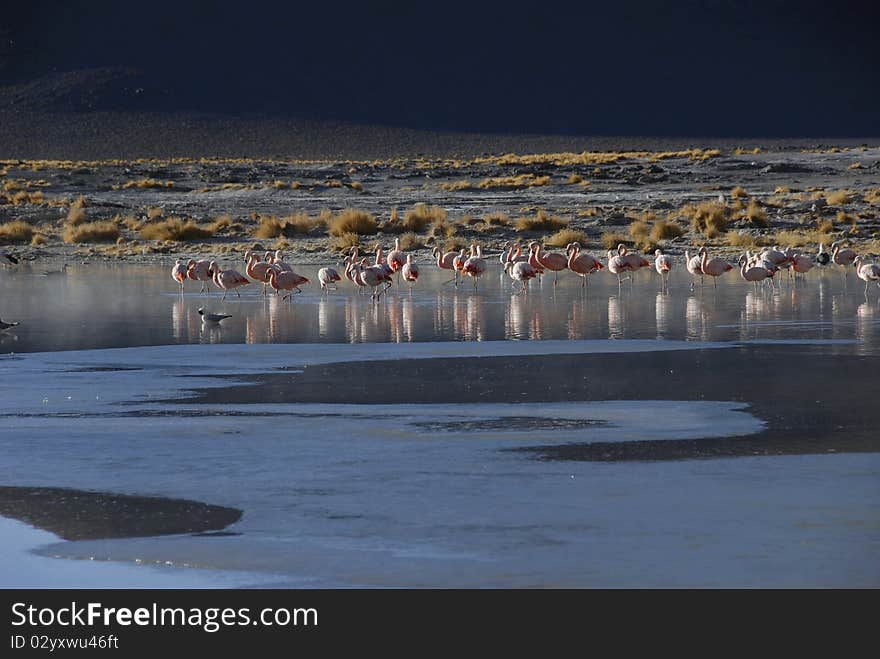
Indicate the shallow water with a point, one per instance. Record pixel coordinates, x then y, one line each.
96 306
401 494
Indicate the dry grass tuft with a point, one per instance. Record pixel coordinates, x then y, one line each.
220 223
454 244
825 226
738 193
872 196
344 241
411 240
611 239
145 183
741 151
91 232
269 227
16 231
496 219
855 165
39 240
782 189
77 214
175 229
756 214
515 182
744 240
565 236
352 220
457 185
420 216
665 230
839 197
443 230
542 221
709 218
588 212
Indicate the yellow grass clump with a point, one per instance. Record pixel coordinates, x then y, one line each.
352 220
496 219
457 185
145 183
39 240
738 193
839 197
872 196
542 221
611 239
420 216
344 241
709 217
666 229
176 229
782 189
515 182
443 230
740 239
756 214
16 231
91 232
741 151
855 165
411 240
588 212
76 214
565 236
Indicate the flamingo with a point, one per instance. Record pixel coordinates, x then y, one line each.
257 269
533 258
445 262
714 267
801 264
842 257
178 273
327 277
693 263
520 271
635 261
822 257
617 264
458 264
228 280
410 271
286 280
553 261
279 263
200 271
663 265
580 263
396 257
371 276
753 273
474 266
867 272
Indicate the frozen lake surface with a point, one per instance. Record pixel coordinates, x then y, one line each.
416 491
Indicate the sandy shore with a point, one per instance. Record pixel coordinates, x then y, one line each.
778 194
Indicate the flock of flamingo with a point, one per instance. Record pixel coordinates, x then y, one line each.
272 271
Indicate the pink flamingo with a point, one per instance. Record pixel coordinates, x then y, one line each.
520 271
280 264
581 264
617 265
410 272
867 272
714 267
663 266
842 257
693 264
371 276
396 257
286 280
458 264
553 261
754 273
257 269
178 272
475 266
200 271
228 280
635 261
533 258
327 277
801 264
446 262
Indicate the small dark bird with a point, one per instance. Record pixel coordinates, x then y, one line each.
212 317
8 258
6 326
823 257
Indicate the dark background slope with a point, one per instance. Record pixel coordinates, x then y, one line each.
701 68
